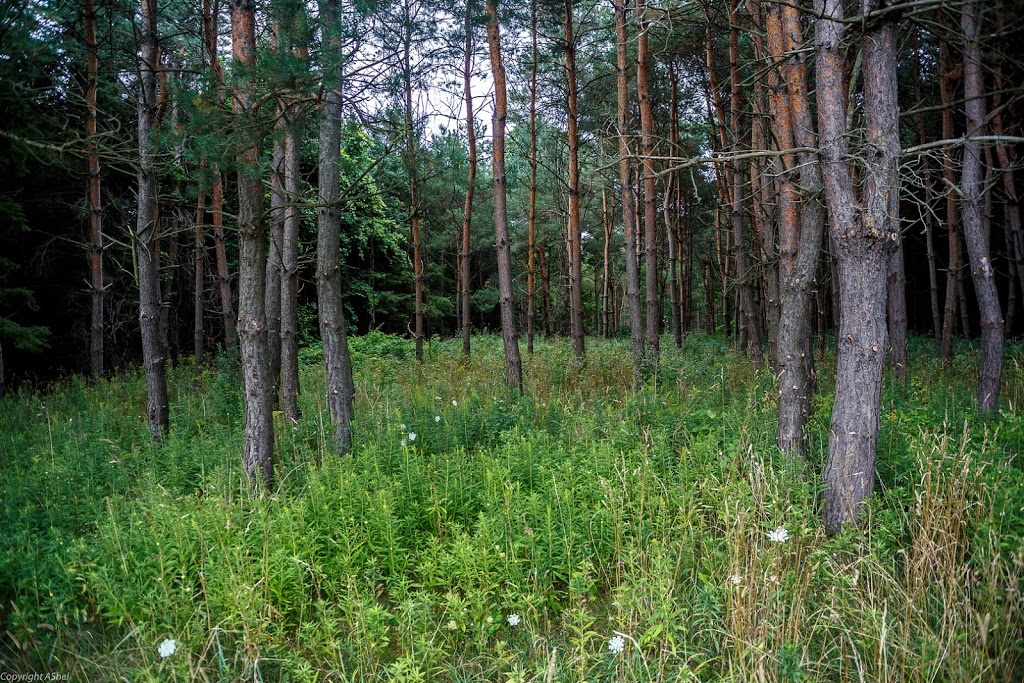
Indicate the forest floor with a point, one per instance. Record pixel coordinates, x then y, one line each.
584 531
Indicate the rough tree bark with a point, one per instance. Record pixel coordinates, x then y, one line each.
290 276
762 188
467 211
531 245
1007 159
414 181
800 226
144 239
333 332
670 208
227 311
513 364
606 222
751 321
896 306
947 76
93 196
636 330
650 189
198 285
278 204
926 182
258 442
976 233
865 235
574 239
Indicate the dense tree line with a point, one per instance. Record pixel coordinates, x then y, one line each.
248 178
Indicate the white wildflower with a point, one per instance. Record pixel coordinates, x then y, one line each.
404 443
437 398
736 579
437 418
455 404
513 619
167 648
780 535
402 427
616 645
412 436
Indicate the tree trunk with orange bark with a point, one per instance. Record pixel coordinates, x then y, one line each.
800 221
513 364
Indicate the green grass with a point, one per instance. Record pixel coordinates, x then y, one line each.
584 507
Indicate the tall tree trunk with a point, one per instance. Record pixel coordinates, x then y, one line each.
93 196
636 330
751 321
574 237
252 260
606 221
864 236
290 276
227 308
278 206
797 256
686 288
414 183
976 233
650 189
947 76
1007 162
333 333
719 132
210 36
671 209
709 298
467 76
513 365
1011 297
198 343
761 189
897 304
673 284
926 208
144 240
532 228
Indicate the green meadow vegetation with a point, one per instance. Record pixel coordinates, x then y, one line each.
582 532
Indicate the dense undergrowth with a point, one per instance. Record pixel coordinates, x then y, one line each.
584 508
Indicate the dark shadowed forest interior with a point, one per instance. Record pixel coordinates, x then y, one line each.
423 340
